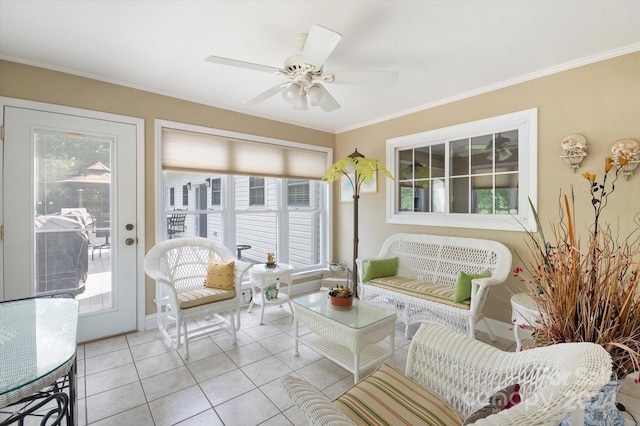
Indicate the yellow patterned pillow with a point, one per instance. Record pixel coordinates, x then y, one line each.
220 275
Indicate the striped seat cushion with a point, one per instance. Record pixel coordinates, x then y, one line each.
387 397
422 289
202 296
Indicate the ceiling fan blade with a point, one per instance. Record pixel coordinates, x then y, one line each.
378 78
265 95
323 99
320 43
240 64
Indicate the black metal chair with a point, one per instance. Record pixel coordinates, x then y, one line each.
175 224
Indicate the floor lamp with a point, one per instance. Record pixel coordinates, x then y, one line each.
358 170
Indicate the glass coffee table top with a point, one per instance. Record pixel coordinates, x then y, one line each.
358 315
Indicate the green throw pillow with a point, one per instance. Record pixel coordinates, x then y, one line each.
463 285
380 268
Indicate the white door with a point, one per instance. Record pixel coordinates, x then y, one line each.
69 207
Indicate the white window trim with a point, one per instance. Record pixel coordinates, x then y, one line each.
527 123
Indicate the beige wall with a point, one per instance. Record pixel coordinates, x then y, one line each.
600 101
40 85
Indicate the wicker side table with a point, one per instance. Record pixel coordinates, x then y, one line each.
262 278
524 313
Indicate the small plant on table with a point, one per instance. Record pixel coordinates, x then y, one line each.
341 295
341 292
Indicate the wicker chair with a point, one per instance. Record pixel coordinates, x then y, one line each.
179 268
463 373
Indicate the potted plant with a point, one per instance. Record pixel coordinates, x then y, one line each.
341 296
587 290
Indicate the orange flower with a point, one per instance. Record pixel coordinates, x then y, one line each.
589 176
608 163
624 161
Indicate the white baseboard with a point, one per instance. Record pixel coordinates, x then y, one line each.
151 321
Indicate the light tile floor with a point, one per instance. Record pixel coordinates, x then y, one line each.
139 380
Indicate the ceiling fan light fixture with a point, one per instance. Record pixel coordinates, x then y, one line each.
291 93
316 95
301 101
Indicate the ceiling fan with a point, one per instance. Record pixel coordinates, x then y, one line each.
305 72
502 144
502 148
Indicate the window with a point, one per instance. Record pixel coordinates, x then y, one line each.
475 175
216 195
256 191
185 195
298 192
172 196
267 193
294 233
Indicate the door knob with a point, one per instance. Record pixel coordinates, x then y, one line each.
129 227
129 241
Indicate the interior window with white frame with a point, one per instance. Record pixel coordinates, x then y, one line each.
473 175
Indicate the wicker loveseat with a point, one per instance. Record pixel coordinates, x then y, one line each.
428 271
449 376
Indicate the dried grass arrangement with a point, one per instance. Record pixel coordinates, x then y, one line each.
588 292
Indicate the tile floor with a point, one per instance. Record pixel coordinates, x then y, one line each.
139 380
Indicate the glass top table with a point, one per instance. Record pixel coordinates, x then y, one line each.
358 315
37 345
347 336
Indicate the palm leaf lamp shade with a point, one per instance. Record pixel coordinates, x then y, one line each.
358 170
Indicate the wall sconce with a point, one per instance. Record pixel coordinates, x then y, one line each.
208 182
188 186
574 149
629 150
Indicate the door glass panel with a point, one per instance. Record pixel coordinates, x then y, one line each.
73 217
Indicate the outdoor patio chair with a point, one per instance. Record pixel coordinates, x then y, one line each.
450 376
195 278
175 224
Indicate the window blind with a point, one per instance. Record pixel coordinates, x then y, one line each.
200 152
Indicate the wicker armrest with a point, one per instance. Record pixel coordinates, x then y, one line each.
554 380
313 403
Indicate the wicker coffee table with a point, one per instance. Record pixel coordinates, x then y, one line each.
347 336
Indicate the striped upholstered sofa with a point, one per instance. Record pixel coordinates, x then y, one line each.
451 377
431 276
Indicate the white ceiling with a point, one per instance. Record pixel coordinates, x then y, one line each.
443 50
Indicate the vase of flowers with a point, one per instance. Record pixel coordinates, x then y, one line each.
588 289
341 296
